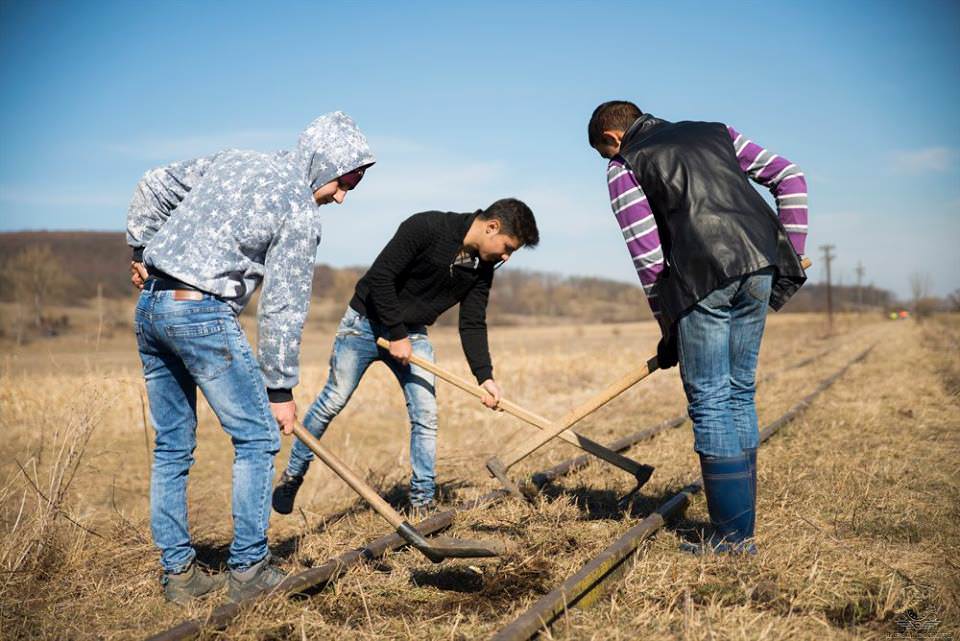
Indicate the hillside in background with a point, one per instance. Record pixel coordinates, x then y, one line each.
89 260
92 259
88 257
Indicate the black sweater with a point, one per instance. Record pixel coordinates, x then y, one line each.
414 280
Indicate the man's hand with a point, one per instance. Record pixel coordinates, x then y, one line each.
401 350
138 274
493 393
667 351
286 415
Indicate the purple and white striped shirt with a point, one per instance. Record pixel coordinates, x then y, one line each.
635 217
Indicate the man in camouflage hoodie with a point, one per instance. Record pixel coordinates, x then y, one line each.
205 234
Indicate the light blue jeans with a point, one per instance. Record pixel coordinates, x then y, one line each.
354 350
718 344
185 344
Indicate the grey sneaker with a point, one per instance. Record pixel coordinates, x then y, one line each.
259 577
420 511
285 493
710 546
190 584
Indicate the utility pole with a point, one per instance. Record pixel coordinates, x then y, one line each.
860 271
99 313
827 257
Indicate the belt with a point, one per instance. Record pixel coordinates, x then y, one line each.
181 291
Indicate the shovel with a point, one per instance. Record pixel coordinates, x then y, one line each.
498 467
640 471
436 549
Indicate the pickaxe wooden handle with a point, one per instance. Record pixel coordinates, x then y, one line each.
577 440
573 416
627 381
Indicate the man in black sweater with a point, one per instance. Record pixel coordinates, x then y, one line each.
434 261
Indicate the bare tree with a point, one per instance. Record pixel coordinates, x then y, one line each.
920 285
36 276
923 303
953 301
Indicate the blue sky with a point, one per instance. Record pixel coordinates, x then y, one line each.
468 103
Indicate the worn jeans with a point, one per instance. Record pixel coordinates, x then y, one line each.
718 343
354 350
183 345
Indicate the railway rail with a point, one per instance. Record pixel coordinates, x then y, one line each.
590 582
596 577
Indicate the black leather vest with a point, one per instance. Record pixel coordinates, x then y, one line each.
713 224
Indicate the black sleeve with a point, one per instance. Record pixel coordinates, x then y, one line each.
411 238
473 325
279 394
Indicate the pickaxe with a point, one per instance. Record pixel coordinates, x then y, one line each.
640 471
498 467
436 548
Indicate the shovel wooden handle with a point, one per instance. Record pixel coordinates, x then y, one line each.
472 388
340 468
627 381
541 422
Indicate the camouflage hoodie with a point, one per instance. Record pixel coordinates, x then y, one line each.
226 222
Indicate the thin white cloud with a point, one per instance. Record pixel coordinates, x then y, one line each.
400 185
929 159
53 196
386 144
170 148
579 234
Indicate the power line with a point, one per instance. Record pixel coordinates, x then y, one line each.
827 257
860 272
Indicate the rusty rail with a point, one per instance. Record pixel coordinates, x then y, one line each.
329 571
540 479
586 587
334 568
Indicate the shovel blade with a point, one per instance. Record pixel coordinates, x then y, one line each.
465 548
439 548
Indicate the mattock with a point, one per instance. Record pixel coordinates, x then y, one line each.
640 471
436 548
499 467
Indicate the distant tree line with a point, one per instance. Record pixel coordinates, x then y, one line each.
72 268
812 297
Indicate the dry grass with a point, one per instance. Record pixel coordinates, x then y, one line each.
857 518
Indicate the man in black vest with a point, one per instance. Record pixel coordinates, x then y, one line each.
712 255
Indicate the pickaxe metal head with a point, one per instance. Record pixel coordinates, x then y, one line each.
499 472
642 474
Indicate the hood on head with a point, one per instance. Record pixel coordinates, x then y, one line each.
331 146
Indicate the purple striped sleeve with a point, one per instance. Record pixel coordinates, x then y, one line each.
638 226
784 180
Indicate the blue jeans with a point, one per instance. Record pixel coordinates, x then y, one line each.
354 350
718 344
190 343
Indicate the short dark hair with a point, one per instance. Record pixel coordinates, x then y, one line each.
613 115
516 219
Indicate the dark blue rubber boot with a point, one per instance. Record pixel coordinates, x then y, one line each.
752 454
728 484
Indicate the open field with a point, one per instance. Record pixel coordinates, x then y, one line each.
858 499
